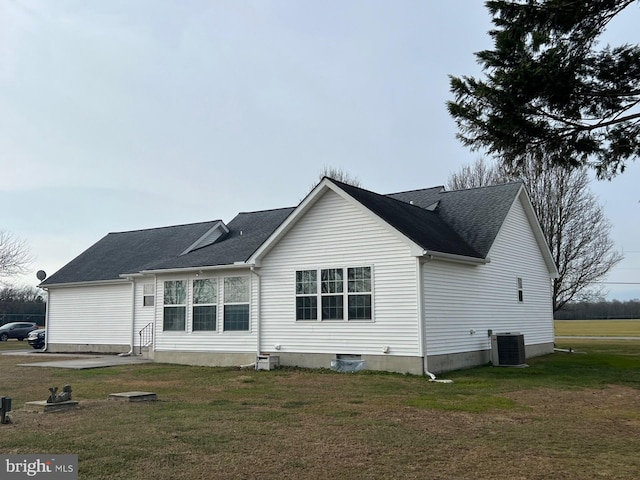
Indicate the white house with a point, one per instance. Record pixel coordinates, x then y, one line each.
408 282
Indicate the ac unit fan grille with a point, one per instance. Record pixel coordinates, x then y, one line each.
511 351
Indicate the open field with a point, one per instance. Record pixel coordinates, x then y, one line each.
598 328
570 416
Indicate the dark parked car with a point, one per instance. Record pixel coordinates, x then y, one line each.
36 338
19 330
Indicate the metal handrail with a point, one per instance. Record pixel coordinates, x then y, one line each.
146 336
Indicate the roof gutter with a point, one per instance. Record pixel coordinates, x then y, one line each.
450 257
84 284
239 265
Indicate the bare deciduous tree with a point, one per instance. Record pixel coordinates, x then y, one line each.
336 174
574 224
14 256
478 174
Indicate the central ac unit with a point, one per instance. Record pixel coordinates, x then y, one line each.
507 350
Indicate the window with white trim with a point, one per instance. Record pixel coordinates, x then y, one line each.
175 305
236 303
520 290
342 293
148 295
307 295
332 293
359 293
205 304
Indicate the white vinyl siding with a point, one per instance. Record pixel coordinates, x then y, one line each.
336 233
99 315
460 299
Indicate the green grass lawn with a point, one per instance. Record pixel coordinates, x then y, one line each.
570 416
598 328
14 344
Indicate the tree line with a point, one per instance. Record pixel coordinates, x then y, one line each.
601 310
26 304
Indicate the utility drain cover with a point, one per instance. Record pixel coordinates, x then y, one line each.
133 396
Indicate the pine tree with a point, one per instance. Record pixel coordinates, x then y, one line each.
550 94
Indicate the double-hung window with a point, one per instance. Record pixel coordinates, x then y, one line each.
236 304
306 295
175 305
341 293
520 289
205 304
332 293
148 295
359 293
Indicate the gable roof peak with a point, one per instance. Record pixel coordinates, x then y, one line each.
364 191
421 225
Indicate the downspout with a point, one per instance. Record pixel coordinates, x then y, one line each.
46 320
258 314
133 318
422 327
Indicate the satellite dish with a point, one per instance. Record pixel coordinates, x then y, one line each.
41 275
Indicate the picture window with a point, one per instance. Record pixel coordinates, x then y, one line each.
342 293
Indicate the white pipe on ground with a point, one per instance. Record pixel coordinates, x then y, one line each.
432 378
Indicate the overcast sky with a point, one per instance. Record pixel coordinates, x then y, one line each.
122 115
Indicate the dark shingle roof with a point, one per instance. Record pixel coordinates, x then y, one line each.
128 252
161 248
424 227
463 222
476 214
247 231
